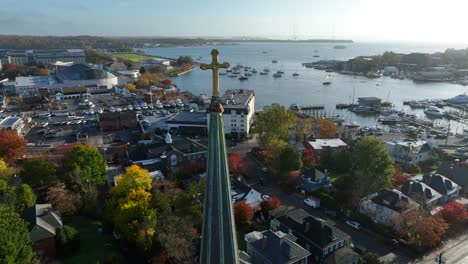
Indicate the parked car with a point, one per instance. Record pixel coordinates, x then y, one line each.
358 248
353 224
312 202
330 213
462 149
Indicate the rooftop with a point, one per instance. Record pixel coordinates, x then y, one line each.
237 98
83 72
457 172
394 200
331 143
195 118
276 247
419 191
35 81
9 121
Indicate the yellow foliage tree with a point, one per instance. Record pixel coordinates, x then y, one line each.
42 72
5 171
129 207
131 87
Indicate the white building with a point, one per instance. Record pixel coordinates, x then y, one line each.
78 75
46 57
239 111
409 152
154 63
384 206
14 123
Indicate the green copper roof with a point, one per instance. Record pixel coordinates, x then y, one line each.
219 243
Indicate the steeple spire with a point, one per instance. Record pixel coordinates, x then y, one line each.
219 243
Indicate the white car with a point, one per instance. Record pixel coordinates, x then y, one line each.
353 224
265 169
314 203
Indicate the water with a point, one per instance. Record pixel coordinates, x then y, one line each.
307 88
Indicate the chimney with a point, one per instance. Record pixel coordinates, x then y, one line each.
306 227
264 242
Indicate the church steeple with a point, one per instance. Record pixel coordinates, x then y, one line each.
219 243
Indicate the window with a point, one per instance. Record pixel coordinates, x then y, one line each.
325 251
331 249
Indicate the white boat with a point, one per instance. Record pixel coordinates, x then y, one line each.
459 99
361 109
92 112
130 107
391 119
433 111
118 109
179 103
61 114
112 109
100 111
295 74
158 105
352 125
276 75
327 80
41 115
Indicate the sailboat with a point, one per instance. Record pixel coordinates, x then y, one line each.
327 80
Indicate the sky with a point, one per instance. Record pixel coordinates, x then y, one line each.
361 20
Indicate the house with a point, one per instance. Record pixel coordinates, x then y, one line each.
421 193
456 172
187 151
243 192
14 123
382 207
444 186
189 123
409 152
239 111
154 63
369 101
43 224
274 248
324 147
311 179
318 237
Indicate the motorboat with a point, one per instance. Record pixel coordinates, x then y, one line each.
352 125
361 109
179 103
390 119
433 112
280 72
295 74
243 78
248 74
263 73
274 61
327 80
158 105
276 75
459 99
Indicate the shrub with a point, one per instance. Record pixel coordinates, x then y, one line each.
67 240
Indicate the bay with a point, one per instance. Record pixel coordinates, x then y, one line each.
307 88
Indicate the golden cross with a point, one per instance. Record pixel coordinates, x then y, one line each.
215 66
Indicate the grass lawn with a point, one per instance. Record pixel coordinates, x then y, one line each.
93 245
133 57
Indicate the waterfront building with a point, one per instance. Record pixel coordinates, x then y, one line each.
46 57
152 64
239 111
76 75
324 147
409 152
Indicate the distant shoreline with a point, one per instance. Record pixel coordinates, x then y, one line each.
293 41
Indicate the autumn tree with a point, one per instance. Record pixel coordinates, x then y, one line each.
242 212
454 212
38 172
303 128
131 87
84 165
273 123
236 164
271 203
324 128
42 72
308 158
129 207
12 146
373 167
5 171
63 200
419 227
15 244
176 236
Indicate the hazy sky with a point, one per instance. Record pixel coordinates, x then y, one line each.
369 20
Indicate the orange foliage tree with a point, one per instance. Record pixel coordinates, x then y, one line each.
236 164
242 212
454 212
12 146
308 158
418 226
271 203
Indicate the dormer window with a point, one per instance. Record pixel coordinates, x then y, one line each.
386 202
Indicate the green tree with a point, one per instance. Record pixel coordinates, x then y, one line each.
340 161
129 207
84 165
184 60
67 240
25 197
7 194
373 167
15 244
38 172
289 160
162 203
274 123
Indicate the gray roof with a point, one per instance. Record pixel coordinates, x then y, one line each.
236 99
419 191
43 221
36 81
277 248
440 183
194 118
342 256
394 200
455 172
83 72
